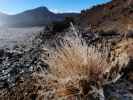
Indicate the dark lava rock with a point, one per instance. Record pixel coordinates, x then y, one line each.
17 61
119 90
1 52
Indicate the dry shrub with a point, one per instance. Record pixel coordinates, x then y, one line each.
76 65
80 68
123 52
75 60
126 46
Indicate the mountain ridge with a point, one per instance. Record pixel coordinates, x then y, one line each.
40 16
114 16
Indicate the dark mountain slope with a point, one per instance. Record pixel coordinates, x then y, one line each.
35 17
3 17
116 15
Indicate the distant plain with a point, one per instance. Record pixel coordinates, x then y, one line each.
9 37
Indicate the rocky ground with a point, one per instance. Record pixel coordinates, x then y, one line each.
20 58
22 61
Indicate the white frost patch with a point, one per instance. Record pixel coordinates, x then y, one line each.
12 36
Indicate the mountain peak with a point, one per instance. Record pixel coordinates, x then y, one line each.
40 16
38 10
42 9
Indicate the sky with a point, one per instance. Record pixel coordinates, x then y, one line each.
17 6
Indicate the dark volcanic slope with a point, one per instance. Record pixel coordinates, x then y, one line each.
35 17
116 15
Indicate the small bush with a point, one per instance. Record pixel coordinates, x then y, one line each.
59 26
80 68
75 65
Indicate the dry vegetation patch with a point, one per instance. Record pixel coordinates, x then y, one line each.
76 70
84 70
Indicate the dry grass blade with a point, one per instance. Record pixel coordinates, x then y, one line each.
74 61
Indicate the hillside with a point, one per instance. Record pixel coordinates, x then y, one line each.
35 17
116 16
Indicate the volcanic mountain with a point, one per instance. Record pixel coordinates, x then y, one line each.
35 17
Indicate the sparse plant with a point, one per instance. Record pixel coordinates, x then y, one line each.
75 62
80 68
59 26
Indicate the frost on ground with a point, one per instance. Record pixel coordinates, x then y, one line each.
12 36
67 67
